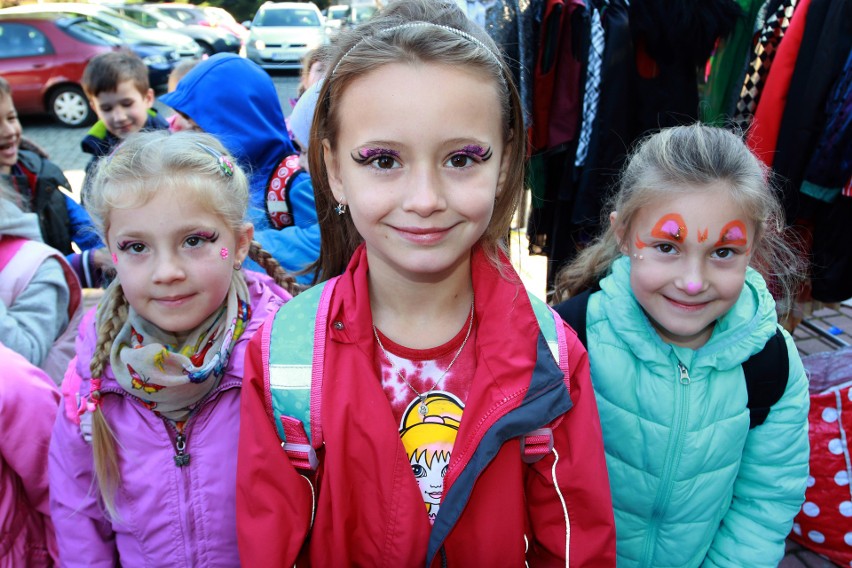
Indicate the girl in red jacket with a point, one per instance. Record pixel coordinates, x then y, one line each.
451 417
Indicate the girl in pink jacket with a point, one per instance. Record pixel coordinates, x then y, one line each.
143 458
28 402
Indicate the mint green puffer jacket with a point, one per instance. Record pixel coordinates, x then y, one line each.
691 484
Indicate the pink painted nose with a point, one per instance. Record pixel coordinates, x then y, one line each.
693 287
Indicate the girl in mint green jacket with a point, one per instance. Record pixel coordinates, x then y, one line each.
679 309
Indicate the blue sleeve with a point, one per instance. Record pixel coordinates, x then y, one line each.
82 232
295 247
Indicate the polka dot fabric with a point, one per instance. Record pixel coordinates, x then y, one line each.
824 524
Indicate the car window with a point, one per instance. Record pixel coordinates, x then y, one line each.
90 32
142 18
22 40
287 18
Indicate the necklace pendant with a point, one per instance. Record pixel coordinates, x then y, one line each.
423 409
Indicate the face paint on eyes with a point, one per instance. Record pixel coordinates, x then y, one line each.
474 150
223 253
732 235
362 155
702 236
670 227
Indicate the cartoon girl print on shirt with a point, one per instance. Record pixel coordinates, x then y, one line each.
428 441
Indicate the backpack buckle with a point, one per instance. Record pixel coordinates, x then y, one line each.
536 444
302 456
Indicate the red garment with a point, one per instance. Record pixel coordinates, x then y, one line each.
370 511
762 137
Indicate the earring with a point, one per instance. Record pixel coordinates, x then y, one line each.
238 265
340 209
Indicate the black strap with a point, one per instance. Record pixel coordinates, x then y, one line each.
766 373
573 311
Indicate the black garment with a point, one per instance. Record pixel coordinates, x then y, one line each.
825 46
44 198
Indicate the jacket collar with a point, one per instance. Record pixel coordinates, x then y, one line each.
739 334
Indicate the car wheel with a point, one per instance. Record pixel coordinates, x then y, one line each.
68 105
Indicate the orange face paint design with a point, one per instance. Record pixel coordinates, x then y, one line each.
669 227
703 236
732 235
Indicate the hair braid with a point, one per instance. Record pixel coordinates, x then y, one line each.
274 269
110 321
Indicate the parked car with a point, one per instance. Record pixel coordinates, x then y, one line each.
128 30
206 16
212 40
281 33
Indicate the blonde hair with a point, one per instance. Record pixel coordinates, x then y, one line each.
685 160
453 40
144 164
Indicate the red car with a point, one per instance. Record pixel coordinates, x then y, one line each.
43 57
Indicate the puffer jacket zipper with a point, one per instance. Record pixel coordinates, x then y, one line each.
672 461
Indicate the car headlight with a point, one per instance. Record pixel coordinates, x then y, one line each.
155 60
260 44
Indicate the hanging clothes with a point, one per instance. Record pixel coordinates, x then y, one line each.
728 66
763 55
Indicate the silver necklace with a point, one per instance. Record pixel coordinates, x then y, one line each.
423 409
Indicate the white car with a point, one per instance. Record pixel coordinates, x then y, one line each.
281 33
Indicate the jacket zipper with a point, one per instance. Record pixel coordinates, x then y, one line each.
672 461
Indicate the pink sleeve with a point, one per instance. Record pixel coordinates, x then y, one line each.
28 404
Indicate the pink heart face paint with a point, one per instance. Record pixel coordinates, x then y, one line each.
223 253
669 227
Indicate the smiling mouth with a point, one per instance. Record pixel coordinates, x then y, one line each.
693 307
8 145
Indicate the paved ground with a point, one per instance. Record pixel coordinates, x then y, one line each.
826 330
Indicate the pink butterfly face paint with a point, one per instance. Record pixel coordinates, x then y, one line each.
670 227
223 253
733 235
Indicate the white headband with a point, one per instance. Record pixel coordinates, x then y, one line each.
458 32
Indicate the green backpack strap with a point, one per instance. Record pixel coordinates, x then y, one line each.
297 343
538 443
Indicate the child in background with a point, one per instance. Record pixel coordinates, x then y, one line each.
40 297
143 457
314 66
300 123
678 311
177 121
235 100
116 84
37 181
28 405
430 364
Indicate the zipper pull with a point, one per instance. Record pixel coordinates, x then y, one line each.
181 457
684 374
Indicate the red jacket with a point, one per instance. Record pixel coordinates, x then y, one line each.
496 510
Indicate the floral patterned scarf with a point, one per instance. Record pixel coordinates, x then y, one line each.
171 376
